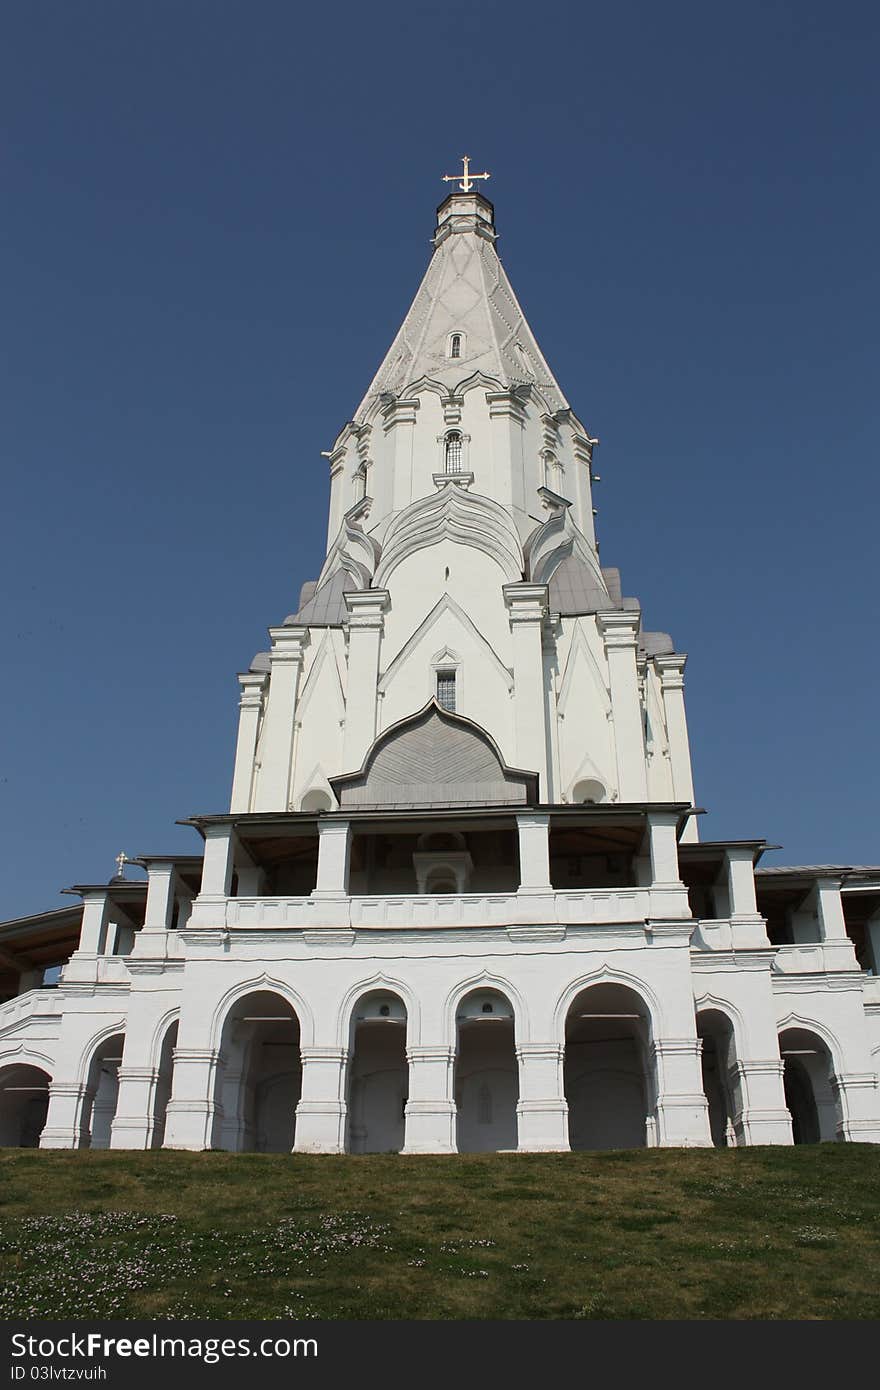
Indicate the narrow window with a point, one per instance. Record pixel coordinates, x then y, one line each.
360 484
446 690
453 452
455 345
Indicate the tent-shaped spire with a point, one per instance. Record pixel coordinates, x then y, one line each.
466 293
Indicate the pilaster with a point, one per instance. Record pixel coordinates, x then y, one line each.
276 744
399 419
671 671
253 688
620 630
366 623
527 609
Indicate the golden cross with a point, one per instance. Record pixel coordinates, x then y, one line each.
465 180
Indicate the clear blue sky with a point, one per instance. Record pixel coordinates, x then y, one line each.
215 216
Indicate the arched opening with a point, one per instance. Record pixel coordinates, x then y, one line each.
378 1075
717 1056
316 800
163 1086
607 1084
486 1074
455 345
808 1084
588 791
24 1100
102 1091
260 1080
453 452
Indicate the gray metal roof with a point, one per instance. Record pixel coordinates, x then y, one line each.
325 607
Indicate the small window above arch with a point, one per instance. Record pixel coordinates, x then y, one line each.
453 452
455 345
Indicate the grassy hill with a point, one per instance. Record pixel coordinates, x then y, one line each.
750 1233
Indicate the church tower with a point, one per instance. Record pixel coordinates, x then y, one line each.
463 577
458 902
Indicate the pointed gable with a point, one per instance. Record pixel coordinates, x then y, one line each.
434 758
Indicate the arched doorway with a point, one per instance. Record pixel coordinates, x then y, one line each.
607 1088
24 1101
163 1086
717 1056
378 1074
102 1092
807 1082
260 1080
486 1073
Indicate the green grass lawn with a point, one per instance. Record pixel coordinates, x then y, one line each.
661 1233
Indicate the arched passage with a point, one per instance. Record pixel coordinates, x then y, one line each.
162 1093
24 1100
102 1092
260 1078
486 1073
607 1085
717 1056
807 1081
378 1074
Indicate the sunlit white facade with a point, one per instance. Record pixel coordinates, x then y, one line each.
458 900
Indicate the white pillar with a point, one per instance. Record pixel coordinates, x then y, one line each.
682 1111
747 925
321 1113
192 1109
95 920
832 924
859 1103
250 706
760 1113
134 1120
669 897
542 1110
838 948
671 671
620 630
66 1124
161 883
430 1107
218 861
533 828
334 853
366 623
527 609
663 845
276 744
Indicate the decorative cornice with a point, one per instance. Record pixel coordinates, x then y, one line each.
455 514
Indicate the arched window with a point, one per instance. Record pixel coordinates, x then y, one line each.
360 483
455 345
453 456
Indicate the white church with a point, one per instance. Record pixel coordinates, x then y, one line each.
458 901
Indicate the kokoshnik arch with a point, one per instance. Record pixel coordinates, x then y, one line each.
458 900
